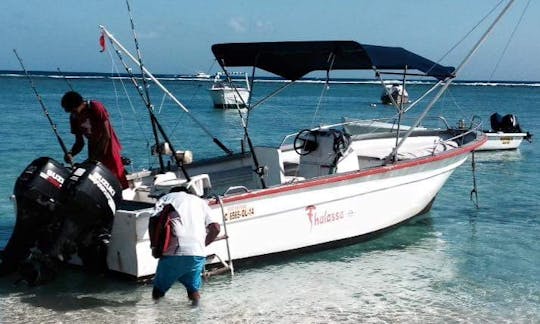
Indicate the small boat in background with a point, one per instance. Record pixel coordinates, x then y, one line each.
505 134
226 94
202 75
397 92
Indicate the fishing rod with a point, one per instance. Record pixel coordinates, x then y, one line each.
146 95
166 91
65 79
45 111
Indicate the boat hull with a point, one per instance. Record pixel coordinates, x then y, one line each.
313 214
385 99
332 211
229 97
502 141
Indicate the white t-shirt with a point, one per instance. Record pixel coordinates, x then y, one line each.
190 220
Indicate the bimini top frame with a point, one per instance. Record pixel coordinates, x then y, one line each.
293 60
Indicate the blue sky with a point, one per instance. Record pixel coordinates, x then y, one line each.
175 36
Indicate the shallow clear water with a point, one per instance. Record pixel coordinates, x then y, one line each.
455 264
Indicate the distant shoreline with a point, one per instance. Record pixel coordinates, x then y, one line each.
188 77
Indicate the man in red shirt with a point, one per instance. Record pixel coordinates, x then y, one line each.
90 119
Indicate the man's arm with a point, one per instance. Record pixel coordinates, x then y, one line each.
75 149
212 231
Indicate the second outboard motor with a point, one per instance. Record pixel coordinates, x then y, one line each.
506 124
89 200
37 192
510 124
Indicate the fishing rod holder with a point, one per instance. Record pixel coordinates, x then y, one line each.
186 157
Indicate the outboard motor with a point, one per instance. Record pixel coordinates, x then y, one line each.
496 122
37 192
89 200
510 124
506 124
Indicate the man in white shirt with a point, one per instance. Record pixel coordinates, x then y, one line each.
194 227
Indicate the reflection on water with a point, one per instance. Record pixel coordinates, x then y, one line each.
498 156
411 274
67 302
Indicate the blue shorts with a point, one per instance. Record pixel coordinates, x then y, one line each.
186 269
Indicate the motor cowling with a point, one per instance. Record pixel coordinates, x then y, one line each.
507 123
93 191
88 203
60 213
37 192
41 181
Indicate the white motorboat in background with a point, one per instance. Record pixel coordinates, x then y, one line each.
227 93
202 75
505 134
396 92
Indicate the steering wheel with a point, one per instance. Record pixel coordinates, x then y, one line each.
301 145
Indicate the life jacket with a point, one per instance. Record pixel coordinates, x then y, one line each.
160 229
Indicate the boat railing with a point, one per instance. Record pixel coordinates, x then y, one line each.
436 122
236 190
464 129
478 120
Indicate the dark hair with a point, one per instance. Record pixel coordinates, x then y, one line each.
71 100
179 189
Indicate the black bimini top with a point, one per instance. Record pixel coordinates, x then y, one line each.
293 60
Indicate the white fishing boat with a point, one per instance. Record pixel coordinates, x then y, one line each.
202 75
394 93
510 139
226 93
505 134
320 188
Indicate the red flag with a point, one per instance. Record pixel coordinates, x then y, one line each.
102 42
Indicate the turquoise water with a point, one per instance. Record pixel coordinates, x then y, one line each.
455 264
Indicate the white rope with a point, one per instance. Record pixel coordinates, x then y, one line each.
115 71
162 103
470 31
321 96
509 41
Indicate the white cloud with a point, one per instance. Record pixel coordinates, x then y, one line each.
241 25
264 26
148 35
238 24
